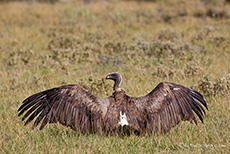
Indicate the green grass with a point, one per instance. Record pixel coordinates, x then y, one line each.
44 46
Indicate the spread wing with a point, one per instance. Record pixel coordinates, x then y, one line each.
166 106
69 105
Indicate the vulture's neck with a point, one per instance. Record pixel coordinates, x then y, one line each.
116 86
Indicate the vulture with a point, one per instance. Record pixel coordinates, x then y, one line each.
156 112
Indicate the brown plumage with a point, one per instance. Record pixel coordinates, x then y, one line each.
156 112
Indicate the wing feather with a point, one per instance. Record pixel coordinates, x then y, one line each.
69 105
168 104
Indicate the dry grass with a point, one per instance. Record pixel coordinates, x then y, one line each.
44 45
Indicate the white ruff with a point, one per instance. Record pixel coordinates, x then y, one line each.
123 120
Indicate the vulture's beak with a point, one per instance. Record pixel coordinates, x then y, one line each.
107 77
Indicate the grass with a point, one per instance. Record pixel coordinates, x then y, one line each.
44 46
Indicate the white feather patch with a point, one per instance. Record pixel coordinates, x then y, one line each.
123 120
176 88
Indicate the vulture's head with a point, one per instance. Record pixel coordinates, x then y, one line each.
116 77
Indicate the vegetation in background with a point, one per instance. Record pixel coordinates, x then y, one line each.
48 45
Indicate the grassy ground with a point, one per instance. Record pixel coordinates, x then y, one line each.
44 46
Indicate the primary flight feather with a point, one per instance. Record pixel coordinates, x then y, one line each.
157 112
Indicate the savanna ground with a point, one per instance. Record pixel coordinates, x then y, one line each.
46 45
